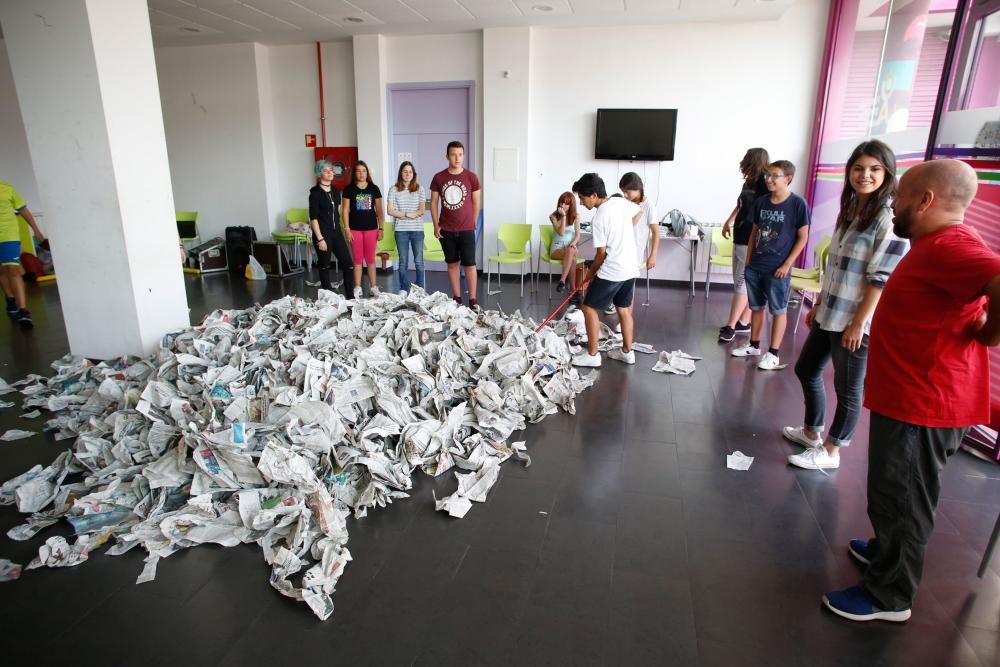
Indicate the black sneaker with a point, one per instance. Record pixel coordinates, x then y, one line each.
576 300
741 328
726 334
24 319
12 309
561 286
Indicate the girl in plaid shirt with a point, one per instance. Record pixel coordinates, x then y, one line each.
863 253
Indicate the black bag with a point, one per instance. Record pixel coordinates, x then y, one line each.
239 247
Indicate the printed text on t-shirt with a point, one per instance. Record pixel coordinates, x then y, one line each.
453 194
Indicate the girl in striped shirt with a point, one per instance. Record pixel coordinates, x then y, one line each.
407 201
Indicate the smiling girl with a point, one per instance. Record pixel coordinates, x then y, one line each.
863 253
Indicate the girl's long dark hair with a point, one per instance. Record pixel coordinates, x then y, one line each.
754 164
354 172
880 199
632 181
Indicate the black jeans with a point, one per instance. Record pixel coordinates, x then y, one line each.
904 483
335 245
848 381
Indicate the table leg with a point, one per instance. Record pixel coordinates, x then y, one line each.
990 548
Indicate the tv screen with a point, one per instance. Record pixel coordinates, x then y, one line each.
636 134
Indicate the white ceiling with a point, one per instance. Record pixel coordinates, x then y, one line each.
181 22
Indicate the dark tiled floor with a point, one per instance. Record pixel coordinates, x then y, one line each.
626 542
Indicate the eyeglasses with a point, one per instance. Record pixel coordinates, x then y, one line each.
771 177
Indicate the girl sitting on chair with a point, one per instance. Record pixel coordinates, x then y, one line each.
565 238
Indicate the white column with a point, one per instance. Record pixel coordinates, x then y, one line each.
506 109
370 103
87 87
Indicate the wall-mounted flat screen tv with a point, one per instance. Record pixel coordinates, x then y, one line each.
636 134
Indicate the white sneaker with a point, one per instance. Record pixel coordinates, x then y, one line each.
815 459
610 310
374 291
403 293
358 293
587 359
768 362
618 328
622 356
746 351
797 434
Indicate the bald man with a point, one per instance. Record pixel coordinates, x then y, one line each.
928 381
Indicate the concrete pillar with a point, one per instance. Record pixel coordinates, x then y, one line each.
370 103
87 87
506 113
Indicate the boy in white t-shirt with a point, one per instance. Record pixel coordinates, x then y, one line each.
611 279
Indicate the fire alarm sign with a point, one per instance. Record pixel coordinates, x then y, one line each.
310 141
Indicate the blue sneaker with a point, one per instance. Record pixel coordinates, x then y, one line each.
859 549
853 603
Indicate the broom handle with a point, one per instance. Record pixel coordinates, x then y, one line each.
559 307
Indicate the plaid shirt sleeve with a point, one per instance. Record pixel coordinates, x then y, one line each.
887 250
857 259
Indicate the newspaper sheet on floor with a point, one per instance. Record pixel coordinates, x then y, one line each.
676 362
273 425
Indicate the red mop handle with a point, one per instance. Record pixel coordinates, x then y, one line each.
560 307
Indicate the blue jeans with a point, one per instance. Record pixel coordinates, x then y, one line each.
766 291
406 241
848 381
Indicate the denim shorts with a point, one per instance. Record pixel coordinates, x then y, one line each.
763 289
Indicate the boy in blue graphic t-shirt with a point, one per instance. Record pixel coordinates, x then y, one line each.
780 231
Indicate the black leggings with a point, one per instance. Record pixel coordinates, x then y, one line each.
336 245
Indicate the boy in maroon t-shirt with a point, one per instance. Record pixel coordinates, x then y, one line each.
928 381
458 192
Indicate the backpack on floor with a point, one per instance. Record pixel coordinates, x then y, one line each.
239 247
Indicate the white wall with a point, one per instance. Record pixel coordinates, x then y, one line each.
506 120
211 113
727 101
15 159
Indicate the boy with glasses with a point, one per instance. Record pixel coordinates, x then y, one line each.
780 231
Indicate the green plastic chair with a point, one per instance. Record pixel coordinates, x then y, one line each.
433 252
813 273
386 248
516 240
187 225
545 233
298 215
723 256
812 284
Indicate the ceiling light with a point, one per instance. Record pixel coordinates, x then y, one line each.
187 28
354 19
542 8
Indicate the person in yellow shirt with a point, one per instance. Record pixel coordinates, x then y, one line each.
11 206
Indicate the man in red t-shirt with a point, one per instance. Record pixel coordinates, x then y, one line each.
928 381
458 192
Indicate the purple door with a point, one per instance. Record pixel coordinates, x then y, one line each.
423 118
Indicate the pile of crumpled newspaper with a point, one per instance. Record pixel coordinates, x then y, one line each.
273 424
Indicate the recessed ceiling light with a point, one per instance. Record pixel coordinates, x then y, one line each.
187 28
542 8
354 19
